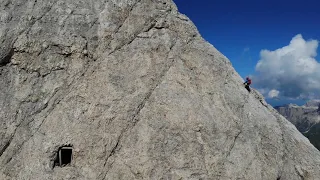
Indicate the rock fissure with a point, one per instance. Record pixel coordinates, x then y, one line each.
127 16
27 124
147 97
114 149
54 69
118 48
299 172
134 119
233 143
7 144
152 24
107 171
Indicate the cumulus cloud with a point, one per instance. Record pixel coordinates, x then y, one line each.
273 93
291 71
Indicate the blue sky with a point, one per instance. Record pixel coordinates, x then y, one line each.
241 29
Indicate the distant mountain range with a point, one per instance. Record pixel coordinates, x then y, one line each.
306 118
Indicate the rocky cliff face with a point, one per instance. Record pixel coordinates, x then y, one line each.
306 118
130 90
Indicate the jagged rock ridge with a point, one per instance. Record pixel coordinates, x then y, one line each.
136 92
306 118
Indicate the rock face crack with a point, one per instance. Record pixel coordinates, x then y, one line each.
118 48
113 151
300 172
127 16
233 143
150 92
134 119
6 146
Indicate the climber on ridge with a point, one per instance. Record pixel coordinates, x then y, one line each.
247 84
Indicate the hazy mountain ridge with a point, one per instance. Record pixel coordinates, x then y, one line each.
306 118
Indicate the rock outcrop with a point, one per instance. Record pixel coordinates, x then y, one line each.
134 91
306 118
313 103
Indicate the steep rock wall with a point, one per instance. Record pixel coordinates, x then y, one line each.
137 93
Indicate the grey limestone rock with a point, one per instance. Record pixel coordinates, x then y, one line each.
138 94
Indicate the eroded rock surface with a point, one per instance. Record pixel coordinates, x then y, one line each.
138 94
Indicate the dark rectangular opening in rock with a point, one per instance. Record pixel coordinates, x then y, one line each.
7 58
65 156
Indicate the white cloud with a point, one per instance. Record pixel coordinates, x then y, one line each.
273 93
292 70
